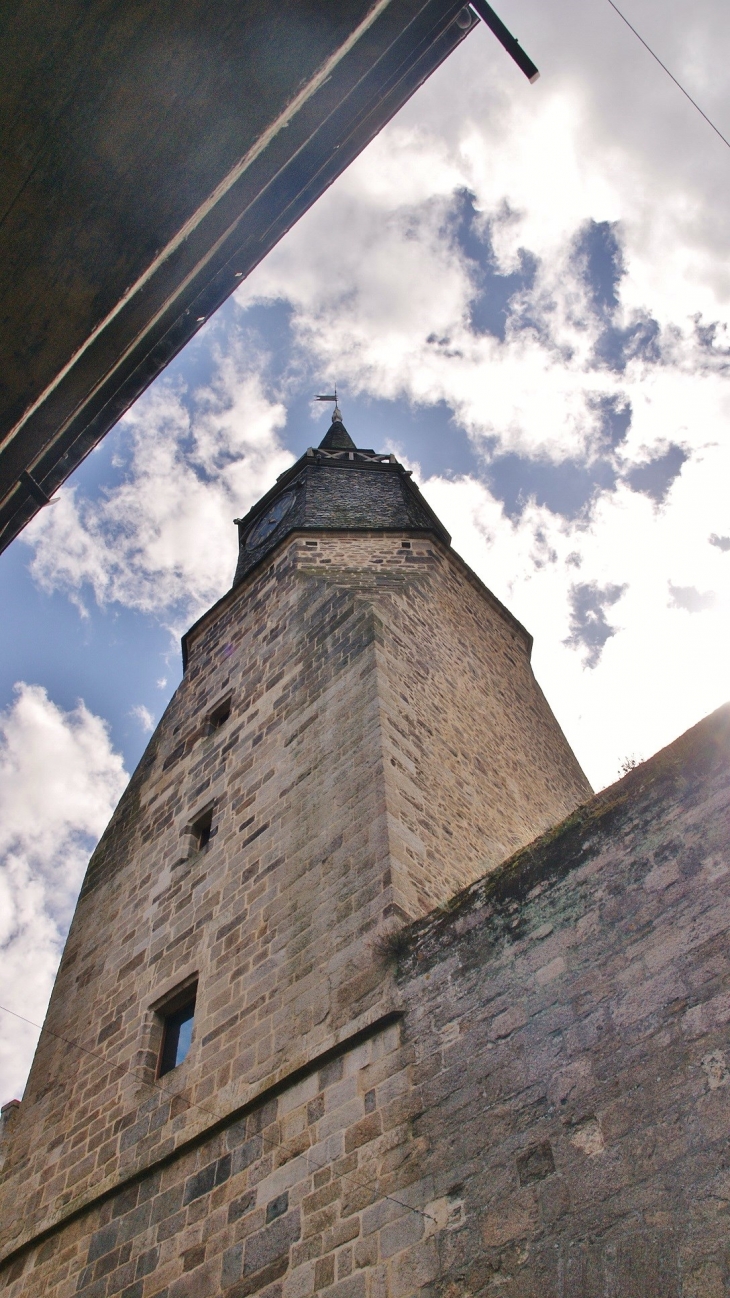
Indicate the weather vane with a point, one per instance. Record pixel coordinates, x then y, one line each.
336 413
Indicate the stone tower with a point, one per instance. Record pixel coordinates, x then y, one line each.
357 737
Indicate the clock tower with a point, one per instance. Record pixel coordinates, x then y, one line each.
358 735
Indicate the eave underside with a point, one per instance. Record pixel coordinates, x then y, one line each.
108 271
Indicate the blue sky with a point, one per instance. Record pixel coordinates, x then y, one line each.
522 291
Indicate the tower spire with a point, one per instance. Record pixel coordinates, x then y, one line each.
337 437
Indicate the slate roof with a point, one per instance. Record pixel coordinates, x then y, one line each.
334 487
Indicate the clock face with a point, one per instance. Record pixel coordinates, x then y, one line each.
269 520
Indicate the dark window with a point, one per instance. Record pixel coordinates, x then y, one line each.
201 830
177 1035
220 715
311 544
405 545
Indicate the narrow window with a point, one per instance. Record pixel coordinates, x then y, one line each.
405 545
201 830
220 715
177 1033
311 545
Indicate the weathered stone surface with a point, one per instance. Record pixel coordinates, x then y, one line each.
577 1151
525 1091
386 742
580 1151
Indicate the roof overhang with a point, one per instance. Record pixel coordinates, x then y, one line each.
156 152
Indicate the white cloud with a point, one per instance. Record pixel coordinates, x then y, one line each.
661 669
59 782
381 294
163 541
143 716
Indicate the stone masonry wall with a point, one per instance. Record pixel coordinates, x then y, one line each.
268 917
569 1019
545 1114
286 1190
475 763
312 786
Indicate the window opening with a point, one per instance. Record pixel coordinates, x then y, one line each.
201 830
405 545
220 715
177 1034
311 545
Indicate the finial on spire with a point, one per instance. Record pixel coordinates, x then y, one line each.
336 413
337 437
